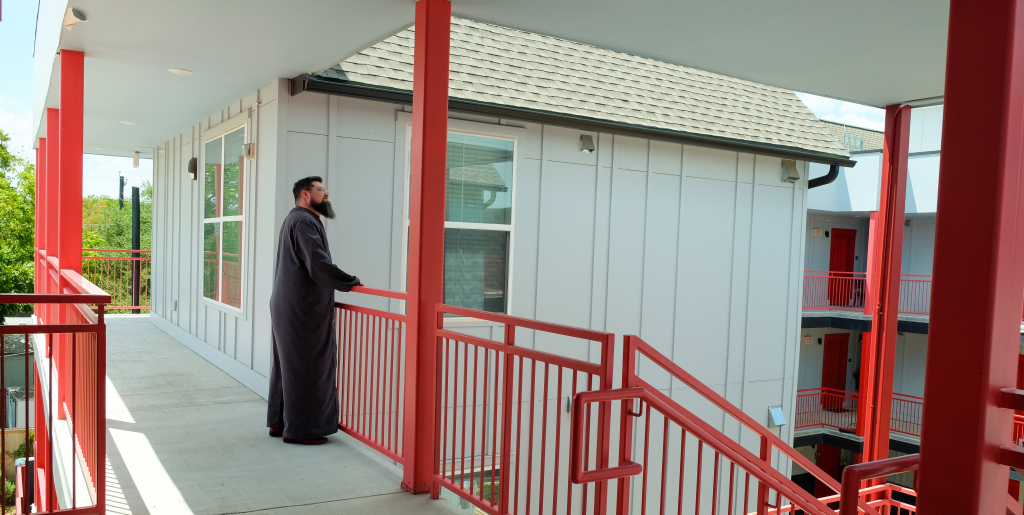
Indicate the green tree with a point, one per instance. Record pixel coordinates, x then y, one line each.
17 218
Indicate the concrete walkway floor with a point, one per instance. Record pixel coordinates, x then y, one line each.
186 438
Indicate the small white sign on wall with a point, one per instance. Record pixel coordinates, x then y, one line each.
817 233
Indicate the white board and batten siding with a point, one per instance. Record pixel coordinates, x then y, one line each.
699 251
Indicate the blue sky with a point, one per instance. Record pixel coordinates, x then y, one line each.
17 32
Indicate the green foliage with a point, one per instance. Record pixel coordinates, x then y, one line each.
17 218
484 490
10 489
108 226
27 449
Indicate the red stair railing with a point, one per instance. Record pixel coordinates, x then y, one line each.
726 475
500 412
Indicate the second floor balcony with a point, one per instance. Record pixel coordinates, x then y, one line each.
847 291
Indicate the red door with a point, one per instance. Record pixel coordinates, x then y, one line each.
833 370
840 259
828 461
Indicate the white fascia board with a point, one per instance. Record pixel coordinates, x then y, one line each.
49 27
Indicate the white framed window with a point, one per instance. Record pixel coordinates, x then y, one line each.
223 212
479 228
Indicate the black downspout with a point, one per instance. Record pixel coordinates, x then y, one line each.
833 172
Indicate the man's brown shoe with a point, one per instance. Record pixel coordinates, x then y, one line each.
276 431
306 441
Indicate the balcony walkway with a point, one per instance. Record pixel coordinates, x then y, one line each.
186 438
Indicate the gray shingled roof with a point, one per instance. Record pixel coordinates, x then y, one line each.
872 140
498 65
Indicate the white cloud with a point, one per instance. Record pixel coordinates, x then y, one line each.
844 112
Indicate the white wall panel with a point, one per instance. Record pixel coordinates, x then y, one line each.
361 119
709 163
562 144
631 153
308 113
705 250
666 158
360 237
626 251
565 245
661 262
770 273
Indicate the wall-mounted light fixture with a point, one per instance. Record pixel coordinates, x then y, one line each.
135 159
73 16
193 168
249 151
587 143
789 172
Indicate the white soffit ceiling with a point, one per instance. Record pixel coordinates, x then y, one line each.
232 48
874 52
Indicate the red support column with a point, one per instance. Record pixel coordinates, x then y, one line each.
978 266
888 254
40 221
52 190
426 239
72 99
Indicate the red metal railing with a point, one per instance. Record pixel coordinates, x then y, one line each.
1018 430
915 294
69 394
826 407
906 414
852 496
692 463
501 410
834 290
846 291
125 277
371 362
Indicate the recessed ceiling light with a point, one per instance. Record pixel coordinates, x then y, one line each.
179 71
97 148
127 123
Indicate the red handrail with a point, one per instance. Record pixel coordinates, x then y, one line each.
496 401
76 346
854 474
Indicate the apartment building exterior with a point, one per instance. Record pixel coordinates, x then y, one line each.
591 193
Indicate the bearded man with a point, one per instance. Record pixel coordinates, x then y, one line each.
303 404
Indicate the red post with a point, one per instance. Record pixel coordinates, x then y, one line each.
72 99
40 234
888 258
426 237
52 189
879 356
978 266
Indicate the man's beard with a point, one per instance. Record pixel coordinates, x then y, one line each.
324 208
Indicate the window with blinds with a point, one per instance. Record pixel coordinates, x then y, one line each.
478 221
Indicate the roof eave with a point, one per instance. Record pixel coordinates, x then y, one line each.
359 90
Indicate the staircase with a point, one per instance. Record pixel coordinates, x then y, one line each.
670 460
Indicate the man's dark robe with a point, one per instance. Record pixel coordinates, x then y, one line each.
303 379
